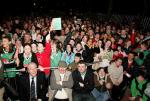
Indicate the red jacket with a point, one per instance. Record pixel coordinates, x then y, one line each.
132 38
44 57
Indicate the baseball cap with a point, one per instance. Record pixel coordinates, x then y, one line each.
62 64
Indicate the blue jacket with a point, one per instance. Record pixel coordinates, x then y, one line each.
68 58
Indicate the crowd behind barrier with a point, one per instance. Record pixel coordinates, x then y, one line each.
92 58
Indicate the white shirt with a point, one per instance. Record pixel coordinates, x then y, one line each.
83 75
35 79
62 77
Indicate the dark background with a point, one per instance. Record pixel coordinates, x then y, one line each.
129 7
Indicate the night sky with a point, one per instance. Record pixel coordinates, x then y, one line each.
132 7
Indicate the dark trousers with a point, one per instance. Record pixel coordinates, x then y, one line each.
60 99
11 89
83 97
116 93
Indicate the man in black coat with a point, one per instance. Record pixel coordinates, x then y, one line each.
26 82
83 83
131 69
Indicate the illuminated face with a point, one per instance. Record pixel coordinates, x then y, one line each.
89 42
82 33
15 36
118 62
116 53
34 48
27 50
62 70
97 28
143 47
6 31
77 59
40 48
82 68
112 39
101 72
85 39
39 38
68 48
120 41
130 56
5 42
72 42
123 32
140 78
17 30
79 46
32 69
90 32
97 36
100 43
67 30
108 44
27 38
129 43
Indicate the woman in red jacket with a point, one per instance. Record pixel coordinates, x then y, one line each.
43 55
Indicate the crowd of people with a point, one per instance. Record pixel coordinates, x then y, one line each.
87 60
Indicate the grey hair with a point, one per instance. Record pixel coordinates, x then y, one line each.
33 63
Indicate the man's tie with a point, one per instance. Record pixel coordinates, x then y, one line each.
32 89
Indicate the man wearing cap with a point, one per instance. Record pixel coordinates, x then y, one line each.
61 84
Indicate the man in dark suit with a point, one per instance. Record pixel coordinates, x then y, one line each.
32 86
83 83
